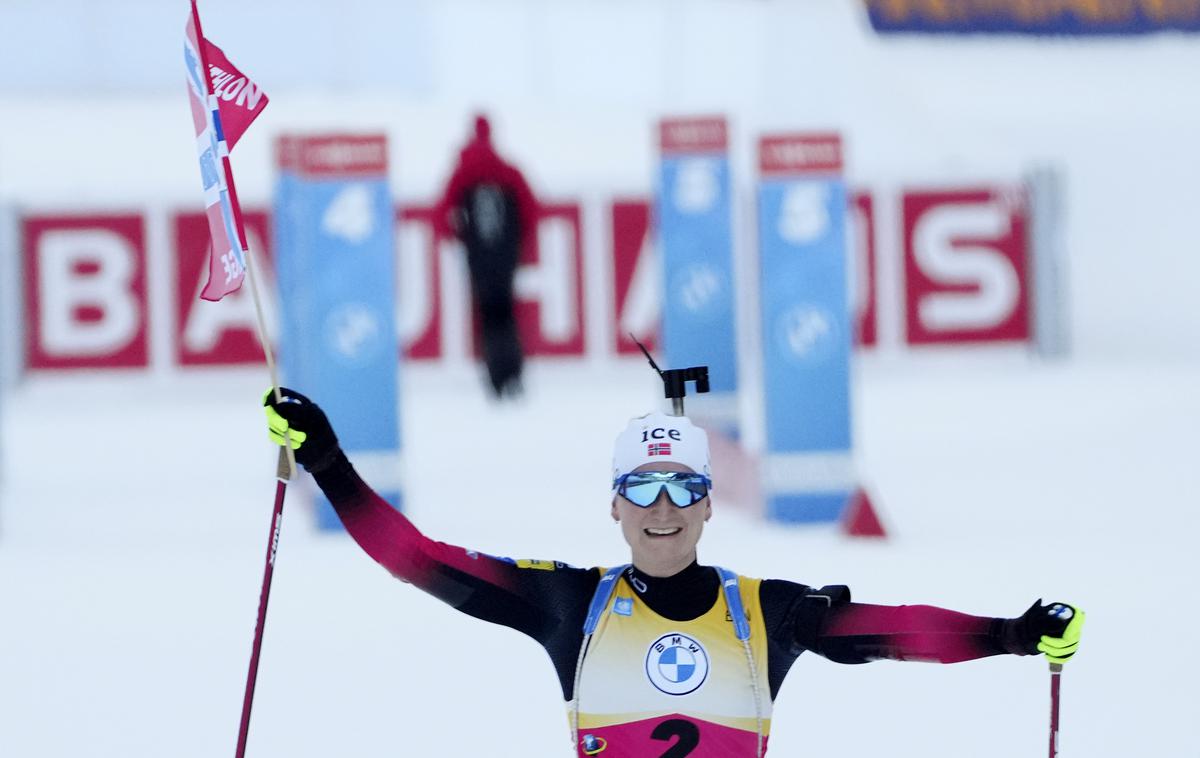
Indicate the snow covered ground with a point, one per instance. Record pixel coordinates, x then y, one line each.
134 514
134 508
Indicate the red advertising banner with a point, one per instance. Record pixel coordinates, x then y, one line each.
693 135
808 153
966 266
85 291
636 297
962 275
205 335
333 155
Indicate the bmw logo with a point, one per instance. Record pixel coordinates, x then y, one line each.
807 334
676 664
700 291
354 335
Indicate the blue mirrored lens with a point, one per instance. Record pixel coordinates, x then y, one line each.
642 489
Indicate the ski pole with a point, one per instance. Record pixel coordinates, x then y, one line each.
263 597
1055 682
283 472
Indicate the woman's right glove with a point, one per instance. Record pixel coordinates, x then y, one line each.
311 434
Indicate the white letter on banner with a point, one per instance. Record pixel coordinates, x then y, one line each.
233 90
642 302
552 281
61 291
206 325
976 265
249 96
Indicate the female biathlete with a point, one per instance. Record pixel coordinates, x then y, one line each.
661 656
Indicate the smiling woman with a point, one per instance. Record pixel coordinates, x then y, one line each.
660 656
660 491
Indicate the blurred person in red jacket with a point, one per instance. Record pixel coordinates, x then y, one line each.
489 207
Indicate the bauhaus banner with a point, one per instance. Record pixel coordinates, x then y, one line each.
1046 17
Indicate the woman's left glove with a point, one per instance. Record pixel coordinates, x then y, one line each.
311 434
1052 629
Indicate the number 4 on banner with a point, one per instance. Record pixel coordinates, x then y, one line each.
349 215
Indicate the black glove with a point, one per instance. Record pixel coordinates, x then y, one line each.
312 436
1052 629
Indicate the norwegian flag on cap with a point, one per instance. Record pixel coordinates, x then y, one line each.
658 448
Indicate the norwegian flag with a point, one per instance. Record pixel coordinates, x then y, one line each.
223 98
658 448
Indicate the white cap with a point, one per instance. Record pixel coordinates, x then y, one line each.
659 438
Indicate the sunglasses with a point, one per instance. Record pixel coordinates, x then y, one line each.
642 488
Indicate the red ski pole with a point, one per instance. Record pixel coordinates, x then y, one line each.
264 596
1055 682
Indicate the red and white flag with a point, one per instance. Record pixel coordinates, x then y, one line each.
224 103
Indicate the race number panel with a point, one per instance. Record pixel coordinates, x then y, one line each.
334 227
693 208
806 329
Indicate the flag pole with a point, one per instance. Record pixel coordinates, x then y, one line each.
287 459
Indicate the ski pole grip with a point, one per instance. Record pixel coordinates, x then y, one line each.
286 463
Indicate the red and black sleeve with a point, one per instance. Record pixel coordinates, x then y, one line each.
826 622
545 600
858 633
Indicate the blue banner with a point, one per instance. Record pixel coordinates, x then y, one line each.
694 209
336 272
1048 17
806 335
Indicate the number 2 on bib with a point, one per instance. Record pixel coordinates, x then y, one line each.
687 732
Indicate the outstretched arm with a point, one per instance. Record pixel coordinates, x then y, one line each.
857 633
519 594
828 623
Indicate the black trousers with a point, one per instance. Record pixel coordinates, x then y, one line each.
493 269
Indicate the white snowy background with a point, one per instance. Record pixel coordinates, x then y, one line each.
129 572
